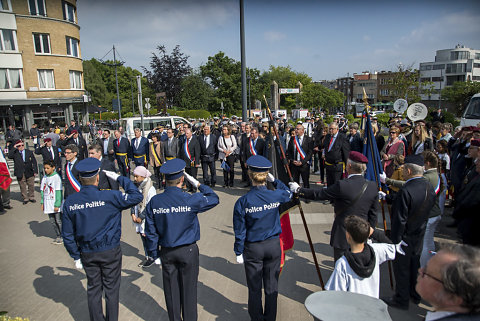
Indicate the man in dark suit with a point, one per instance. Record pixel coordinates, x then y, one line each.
244 137
49 152
73 126
352 196
104 182
72 178
335 150
208 150
190 153
107 144
25 169
438 115
410 210
253 145
123 153
77 139
299 155
139 146
171 148
356 142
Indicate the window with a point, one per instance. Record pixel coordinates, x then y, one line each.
476 78
5 5
7 40
438 67
458 55
37 7
42 43
384 92
75 79
437 79
426 67
45 79
477 56
456 68
475 65
68 12
72 47
425 79
10 78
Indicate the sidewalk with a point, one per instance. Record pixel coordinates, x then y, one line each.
39 280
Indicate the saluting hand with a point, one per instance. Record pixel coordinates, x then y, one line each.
111 175
192 180
294 187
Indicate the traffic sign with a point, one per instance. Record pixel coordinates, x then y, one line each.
147 99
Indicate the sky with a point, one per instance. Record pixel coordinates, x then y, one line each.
325 39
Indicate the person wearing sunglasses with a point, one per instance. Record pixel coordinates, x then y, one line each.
450 282
25 169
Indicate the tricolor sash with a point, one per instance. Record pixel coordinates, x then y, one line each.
187 152
437 189
253 151
300 151
73 181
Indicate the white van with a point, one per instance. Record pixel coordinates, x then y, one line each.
471 116
149 123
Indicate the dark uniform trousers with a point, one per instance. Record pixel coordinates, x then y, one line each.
405 269
122 161
304 171
262 256
193 170
212 179
334 173
103 270
180 277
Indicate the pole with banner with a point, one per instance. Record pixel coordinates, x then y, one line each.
140 101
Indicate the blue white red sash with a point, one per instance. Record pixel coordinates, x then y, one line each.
187 152
437 189
253 151
299 148
73 181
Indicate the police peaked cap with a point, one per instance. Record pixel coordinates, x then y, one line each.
173 168
88 167
257 163
415 159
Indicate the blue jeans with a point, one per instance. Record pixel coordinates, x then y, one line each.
428 243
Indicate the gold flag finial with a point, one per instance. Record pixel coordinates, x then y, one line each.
365 100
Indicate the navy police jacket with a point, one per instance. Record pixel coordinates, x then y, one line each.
91 220
171 217
255 215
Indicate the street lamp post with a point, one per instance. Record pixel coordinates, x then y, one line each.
116 83
249 97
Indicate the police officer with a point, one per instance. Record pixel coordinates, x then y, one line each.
91 233
140 148
352 196
256 222
171 222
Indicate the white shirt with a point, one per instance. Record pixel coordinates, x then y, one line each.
50 185
438 315
207 140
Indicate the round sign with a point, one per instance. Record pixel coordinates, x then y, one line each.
400 105
417 111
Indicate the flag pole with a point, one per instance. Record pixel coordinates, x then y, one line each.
284 161
367 110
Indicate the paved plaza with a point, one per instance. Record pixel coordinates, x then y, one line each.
39 280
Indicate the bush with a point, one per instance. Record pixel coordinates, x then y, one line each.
449 117
383 119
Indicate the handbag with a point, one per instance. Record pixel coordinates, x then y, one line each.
225 166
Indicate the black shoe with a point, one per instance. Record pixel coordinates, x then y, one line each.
2 212
148 263
33 201
25 202
391 301
212 185
7 207
231 184
307 201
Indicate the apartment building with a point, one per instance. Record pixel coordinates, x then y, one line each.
367 81
41 73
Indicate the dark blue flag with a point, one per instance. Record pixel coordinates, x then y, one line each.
370 150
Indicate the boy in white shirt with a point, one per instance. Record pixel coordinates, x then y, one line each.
51 191
358 269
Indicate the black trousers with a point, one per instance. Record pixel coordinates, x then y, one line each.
230 175
332 175
122 162
180 277
262 266
193 172
245 177
405 268
103 270
213 176
303 171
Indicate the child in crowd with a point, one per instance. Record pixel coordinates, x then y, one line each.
358 270
51 191
145 186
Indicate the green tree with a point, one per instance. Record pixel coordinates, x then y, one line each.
195 93
406 84
317 96
167 72
460 93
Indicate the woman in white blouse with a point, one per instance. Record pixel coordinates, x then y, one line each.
227 144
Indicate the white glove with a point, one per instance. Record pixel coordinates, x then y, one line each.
383 177
78 264
192 180
398 247
240 259
294 187
381 195
270 178
111 175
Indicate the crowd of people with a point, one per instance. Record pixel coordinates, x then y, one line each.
425 166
